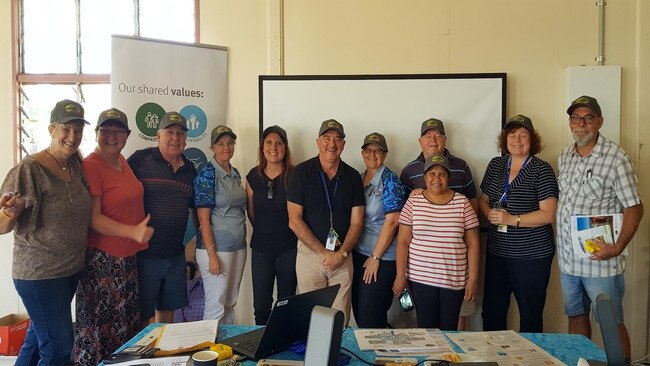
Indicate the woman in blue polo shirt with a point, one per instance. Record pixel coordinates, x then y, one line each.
374 255
519 199
220 202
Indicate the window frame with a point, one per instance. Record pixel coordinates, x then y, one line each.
57 79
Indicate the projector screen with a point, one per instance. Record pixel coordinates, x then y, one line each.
472 107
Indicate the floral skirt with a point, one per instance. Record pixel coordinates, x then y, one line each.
108 312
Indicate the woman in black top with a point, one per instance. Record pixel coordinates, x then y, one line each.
519 199
273 244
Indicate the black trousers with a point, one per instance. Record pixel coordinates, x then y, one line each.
266 268
371 301
436 307
527 279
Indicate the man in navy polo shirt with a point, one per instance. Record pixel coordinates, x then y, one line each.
168 180
325 203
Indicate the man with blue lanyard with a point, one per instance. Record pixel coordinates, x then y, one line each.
325 203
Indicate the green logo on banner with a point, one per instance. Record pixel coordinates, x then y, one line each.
148 117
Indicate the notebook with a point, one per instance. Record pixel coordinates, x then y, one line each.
288 323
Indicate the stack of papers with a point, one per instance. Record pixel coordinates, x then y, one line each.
402 342
185 337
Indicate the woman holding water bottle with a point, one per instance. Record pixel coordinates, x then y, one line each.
519 200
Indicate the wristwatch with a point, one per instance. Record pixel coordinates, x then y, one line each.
343 253
518 220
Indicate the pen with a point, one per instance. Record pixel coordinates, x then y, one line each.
589 174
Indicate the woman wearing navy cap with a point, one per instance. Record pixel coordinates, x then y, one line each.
273 244
519 199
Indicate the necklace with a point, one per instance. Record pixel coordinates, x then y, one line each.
53 158
67 187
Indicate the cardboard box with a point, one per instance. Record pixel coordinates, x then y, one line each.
13 328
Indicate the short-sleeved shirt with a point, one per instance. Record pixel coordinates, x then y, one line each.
345 191
460 175
535 182
437 254
50 235
603 182
168 196
121 195
384 194
224 194
271 232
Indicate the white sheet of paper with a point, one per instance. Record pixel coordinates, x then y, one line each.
186 335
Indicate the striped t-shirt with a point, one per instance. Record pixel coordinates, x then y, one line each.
437 253
534 183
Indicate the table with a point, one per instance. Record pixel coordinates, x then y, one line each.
565 347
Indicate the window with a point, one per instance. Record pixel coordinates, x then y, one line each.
64 51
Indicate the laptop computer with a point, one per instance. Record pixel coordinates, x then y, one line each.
609 330
288 323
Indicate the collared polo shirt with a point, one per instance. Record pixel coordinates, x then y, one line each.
384 194
307 190
168 195
460 175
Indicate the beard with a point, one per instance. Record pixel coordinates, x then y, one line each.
582 140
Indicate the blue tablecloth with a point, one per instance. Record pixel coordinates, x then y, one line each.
565 347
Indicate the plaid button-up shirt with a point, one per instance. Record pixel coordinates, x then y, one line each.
604 182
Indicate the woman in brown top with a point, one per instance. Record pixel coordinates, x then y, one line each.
46 203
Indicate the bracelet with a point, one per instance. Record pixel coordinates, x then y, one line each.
213 248
375 257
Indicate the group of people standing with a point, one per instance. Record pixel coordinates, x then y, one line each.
111 229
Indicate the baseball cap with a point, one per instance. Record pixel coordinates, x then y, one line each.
114 115
377 139
277 129
172 118
331 124
432 124
67 110
435 160
220 131
520 120
585 101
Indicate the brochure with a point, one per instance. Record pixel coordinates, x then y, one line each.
586 228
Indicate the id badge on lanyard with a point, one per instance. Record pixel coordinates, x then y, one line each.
332 240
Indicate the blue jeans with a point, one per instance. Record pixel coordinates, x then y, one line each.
49 338
579 293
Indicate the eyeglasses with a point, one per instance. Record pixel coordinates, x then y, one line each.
588 119
270 194
116 133
371 151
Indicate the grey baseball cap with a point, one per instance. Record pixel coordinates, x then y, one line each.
433 160
66 110
172 118
377 139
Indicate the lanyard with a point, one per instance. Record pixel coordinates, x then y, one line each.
327 195
506 186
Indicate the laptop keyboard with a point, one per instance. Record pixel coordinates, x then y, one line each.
251 344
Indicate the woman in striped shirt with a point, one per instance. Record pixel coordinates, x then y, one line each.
519 199
437 249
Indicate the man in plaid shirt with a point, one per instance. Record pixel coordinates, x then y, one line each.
596 177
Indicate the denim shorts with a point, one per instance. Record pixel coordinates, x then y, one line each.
580 292
162 284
